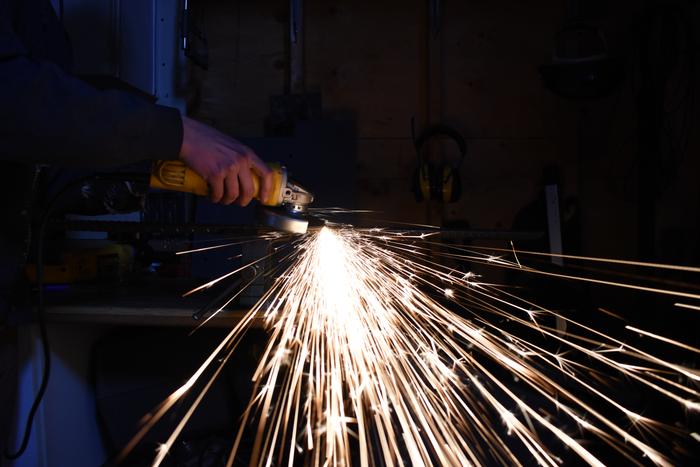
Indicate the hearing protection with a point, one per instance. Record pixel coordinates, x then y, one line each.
438 181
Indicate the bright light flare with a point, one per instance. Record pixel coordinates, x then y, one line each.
368 363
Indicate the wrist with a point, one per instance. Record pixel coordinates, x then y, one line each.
186 145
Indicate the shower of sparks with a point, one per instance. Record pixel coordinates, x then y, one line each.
368 363
689 307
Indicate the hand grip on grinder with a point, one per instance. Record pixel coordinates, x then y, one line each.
177 176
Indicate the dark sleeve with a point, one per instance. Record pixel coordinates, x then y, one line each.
48 116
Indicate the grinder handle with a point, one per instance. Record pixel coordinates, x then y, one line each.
175 175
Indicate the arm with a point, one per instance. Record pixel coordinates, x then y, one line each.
50 117
47 116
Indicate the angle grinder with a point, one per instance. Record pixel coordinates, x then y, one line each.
285 208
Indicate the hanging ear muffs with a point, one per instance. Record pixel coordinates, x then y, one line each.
439 182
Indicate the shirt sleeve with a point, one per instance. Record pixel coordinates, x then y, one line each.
50 117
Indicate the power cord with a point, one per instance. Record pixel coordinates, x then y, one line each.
41 319
41 309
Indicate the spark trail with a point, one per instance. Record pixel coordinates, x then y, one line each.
368 364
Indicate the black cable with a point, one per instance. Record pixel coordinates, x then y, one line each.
41 318
41 310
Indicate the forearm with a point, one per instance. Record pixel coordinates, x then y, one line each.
49 117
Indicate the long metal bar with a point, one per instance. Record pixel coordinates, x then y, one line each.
152 227
186 229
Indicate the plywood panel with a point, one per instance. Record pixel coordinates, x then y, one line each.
392 201
393 158
247 62
499 177
368 58
492 51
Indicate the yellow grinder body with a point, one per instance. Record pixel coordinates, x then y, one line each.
175 175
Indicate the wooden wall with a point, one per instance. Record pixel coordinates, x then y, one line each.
247 62
369 61
378 64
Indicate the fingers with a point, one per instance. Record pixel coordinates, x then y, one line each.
245 178
232 191
265 175
216 189
227 165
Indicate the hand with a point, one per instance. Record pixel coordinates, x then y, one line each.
227 165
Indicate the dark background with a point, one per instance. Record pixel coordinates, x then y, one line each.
378 64
626 163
